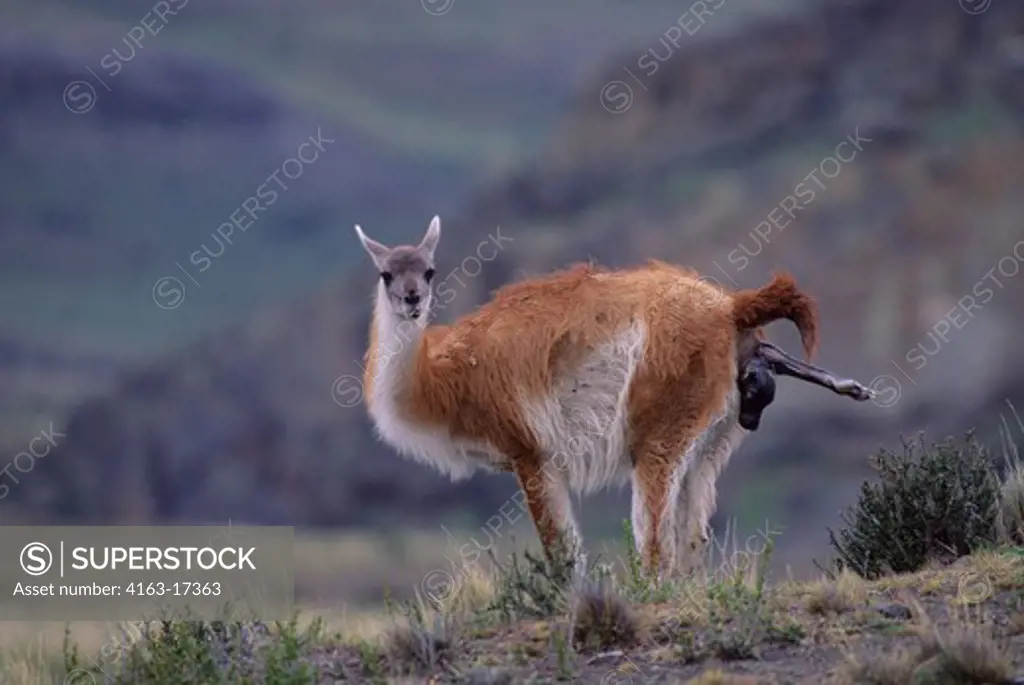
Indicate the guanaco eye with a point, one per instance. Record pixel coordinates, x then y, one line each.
428 274
386 277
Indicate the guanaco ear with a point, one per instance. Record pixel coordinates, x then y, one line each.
378 253
433 236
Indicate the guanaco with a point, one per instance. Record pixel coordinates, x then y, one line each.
581 379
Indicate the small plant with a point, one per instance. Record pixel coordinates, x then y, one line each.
285 662
534 587
734 643
736 630
742 583
935 502
739 632
739 611
371 660
639 583
641 586
785 631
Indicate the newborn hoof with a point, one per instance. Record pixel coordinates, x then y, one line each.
857 391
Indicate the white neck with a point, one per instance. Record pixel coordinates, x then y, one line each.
398 342
427 440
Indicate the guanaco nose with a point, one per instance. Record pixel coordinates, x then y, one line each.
412 298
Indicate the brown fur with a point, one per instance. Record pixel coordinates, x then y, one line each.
780 299
470 380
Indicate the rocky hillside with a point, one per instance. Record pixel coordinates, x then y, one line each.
873 148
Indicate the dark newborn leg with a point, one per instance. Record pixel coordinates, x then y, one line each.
756 381
756 384
786 365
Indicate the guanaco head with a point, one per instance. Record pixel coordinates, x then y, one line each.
405 272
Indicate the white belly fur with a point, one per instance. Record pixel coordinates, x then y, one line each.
434 447
583 426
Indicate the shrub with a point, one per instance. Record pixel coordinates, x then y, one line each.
535 586
935 502
175 652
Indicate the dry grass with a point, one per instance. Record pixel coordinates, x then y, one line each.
30 665
31 653
1010 510
420 635
420 643
1010 515
892 668
846 593
966 656
963 653
474 590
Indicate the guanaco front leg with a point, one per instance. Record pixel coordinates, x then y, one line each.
546 490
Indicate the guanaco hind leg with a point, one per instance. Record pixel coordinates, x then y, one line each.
657 480
699 491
